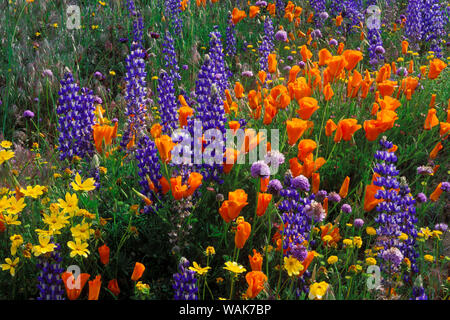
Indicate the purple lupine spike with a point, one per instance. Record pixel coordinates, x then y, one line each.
267 44
230 38
50 284
136 90
149 168
185 282
167 102
374 38
76 120
170 57
173 12
396 215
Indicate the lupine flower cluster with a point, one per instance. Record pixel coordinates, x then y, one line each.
185 282
210 93
267 44
396 214
167 102
170 57
136 90
230 38
149 168
50 284
298 213
173 12
76 120
376 50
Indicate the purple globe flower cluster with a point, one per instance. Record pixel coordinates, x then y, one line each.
50 284
76 120
185 282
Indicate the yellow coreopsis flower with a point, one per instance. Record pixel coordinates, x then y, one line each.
16 241
11 219
428 258
69 206
210 251
87 185
292 266
82 231
371 261
4 203
198 269
56 221
33 192
44 246
5 155
78 248
16 206
6 144
10 265
371 231
234 267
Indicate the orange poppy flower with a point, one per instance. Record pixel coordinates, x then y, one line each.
103 135
299 89
230 156
237 15
234 125
295 129
103 251
164 145
305 53
434 196
255 261
339 20
346 128
305 148
444 128
352 57
336 65
264 183
254 10
332 231
263 202
431 119
113 286
340 48
271 7
404 46
94 288
184 113
384 73
330 127
324 56
353 84
315 182
310 165
243 231
156 130
387 87
328 92
255 281
370 202
309 258
238 90
436 67
272 60
293 73
262 76
436 149
307 106
251 141
279 97
344 187
231 208
165 186
74 288
138 270
253 99
432 100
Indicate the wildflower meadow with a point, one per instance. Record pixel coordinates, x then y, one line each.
224 150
